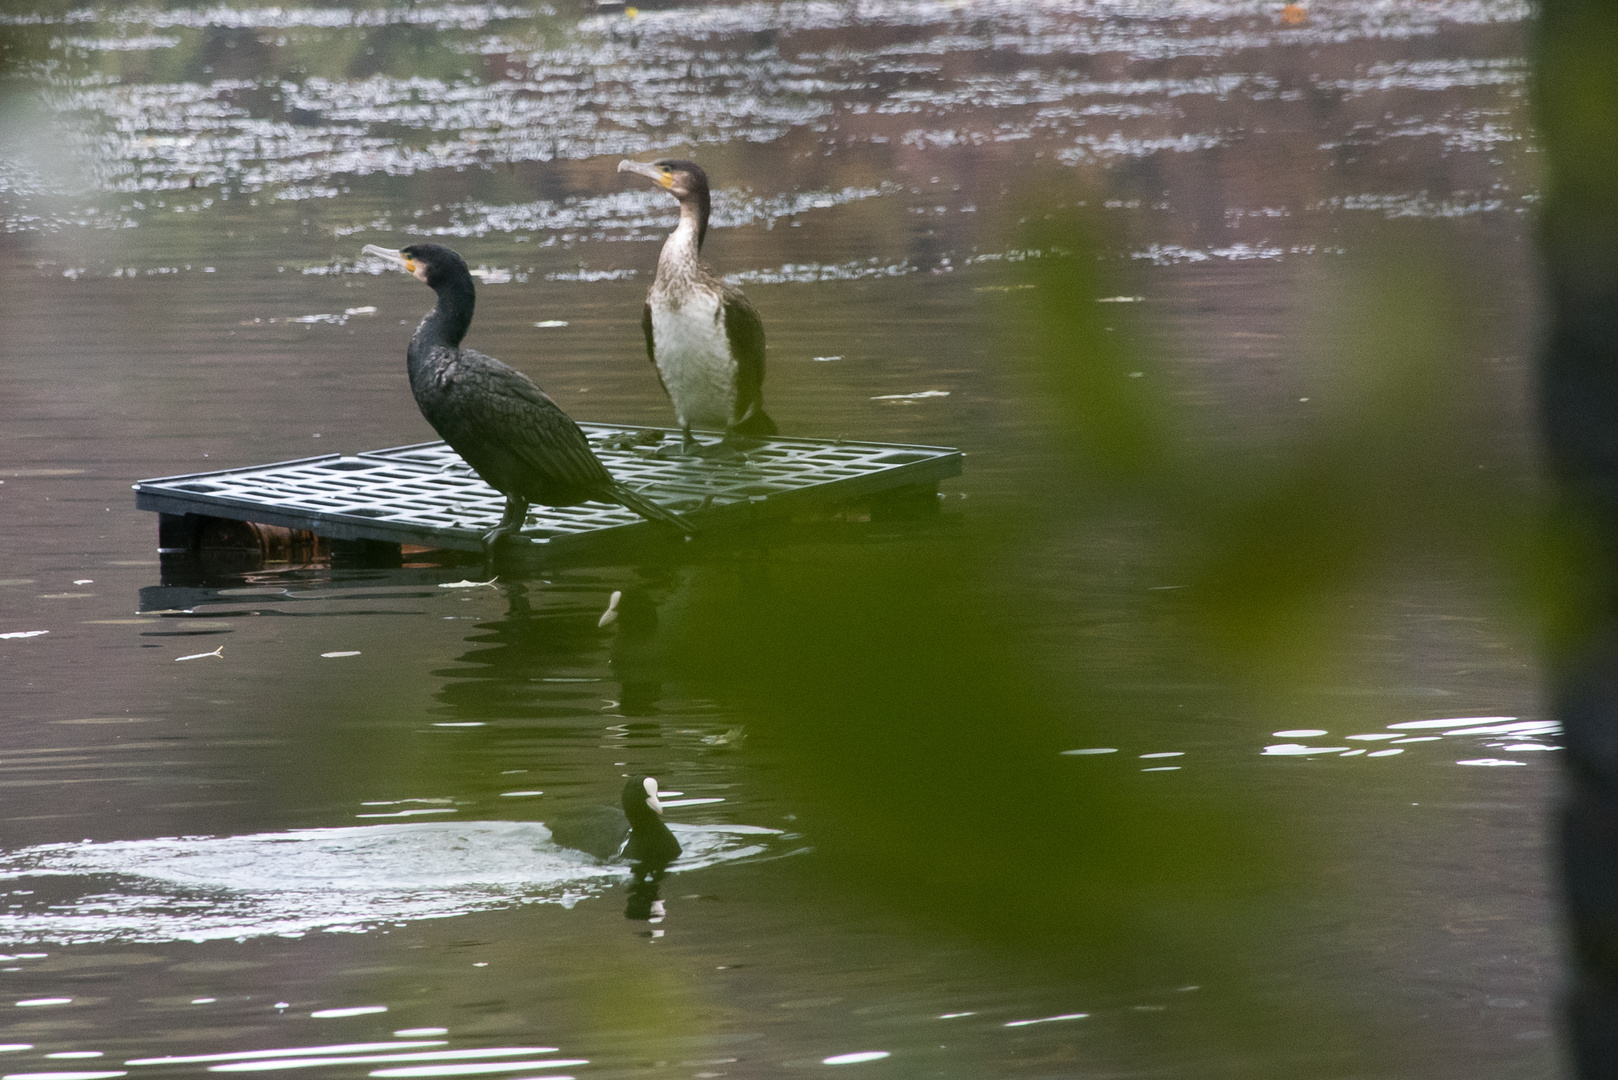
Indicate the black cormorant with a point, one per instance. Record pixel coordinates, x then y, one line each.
503 425
704 337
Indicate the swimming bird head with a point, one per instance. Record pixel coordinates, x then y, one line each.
640 800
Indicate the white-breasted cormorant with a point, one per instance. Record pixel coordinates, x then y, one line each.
704 337
501 423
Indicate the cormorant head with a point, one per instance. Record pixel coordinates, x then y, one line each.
430 263
640 799
685 180
682 179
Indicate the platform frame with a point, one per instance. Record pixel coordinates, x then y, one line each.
424 495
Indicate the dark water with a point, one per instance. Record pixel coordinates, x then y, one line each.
327 834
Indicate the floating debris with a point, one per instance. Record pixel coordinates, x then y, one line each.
219 652
468 583
411 813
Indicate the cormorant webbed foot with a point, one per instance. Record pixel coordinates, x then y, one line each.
511 523
691 447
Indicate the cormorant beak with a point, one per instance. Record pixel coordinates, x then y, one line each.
651 172
651 796
398 259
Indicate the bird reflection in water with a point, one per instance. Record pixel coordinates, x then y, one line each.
635 659
523 664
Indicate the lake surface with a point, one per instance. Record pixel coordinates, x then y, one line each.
327 834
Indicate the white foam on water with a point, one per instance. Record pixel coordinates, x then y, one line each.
335 880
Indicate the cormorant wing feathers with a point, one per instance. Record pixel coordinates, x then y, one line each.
651 346
506 427
745 330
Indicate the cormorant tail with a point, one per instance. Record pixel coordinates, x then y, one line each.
757 424
649 510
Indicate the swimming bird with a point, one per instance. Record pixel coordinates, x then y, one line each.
703 336
501 423
637 832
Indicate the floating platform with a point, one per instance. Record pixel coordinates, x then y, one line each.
425 496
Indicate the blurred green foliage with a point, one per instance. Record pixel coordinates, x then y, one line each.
920 714
1576 110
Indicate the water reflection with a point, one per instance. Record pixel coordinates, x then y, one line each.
636 661
536 662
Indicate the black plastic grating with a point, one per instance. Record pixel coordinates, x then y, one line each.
425 494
